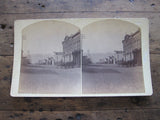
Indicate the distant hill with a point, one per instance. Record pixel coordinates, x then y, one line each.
36 57
95 57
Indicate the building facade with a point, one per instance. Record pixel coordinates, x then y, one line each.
58 58
132 48
119 58
72 50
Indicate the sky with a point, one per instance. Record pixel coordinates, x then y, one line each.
103 36
46 37
106 36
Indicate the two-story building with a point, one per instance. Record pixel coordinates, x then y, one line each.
72 50
132 48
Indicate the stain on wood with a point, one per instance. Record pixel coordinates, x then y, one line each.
88 115
30 6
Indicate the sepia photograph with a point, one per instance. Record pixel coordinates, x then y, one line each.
112 60
81 57
50 58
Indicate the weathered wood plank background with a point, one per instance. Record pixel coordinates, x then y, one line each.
124 108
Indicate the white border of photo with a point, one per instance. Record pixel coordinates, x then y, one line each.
19 25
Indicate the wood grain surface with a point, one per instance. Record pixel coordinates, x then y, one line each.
87 108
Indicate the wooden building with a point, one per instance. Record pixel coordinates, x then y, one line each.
132 48
72 50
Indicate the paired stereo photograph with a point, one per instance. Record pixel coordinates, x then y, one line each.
81 57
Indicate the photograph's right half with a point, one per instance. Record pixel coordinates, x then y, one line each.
113 58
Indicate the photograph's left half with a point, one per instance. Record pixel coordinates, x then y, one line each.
50 59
